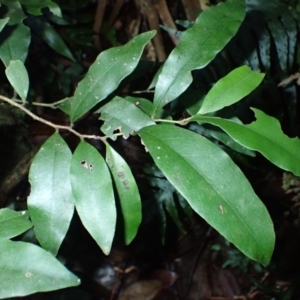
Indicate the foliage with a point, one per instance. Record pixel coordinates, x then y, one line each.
195 165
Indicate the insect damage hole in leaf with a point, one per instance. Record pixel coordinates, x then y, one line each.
86 165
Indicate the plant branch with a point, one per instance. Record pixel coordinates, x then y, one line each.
143 92
51 105
181 122
55 126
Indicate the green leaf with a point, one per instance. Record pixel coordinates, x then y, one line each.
214 187
124 115
146 106
51 203
128 193
3 22
13 223
18 77
230 89
66 105
263 135
228 141
15 37
93 193
198 46
50 36
26 268
34 7
155 78
106 73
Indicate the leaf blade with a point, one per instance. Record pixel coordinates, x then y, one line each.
13 223
230 89
22 275
224 205
51 203
15 35
128 193
93 193
50 37
198 46
263 135
17 75
106 73
3 22
35 8
119 113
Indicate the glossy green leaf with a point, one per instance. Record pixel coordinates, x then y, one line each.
13 223
66 105
3 22
223 137
128 193
106 73
15 36
123 115
143 104
50 36
26 269
34 7
17 75
51 203
93 193
263 135
230 89
155 78
146 106
214 187
198 46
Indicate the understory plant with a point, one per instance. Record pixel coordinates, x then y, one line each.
200 171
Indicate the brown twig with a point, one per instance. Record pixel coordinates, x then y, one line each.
166 18
55 126
152 18
117 7
98 22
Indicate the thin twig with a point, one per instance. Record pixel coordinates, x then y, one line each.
169 121
55 126
98 22
143 92
51 105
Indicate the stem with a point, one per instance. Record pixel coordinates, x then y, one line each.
55 126
143 92
170 121
51 105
